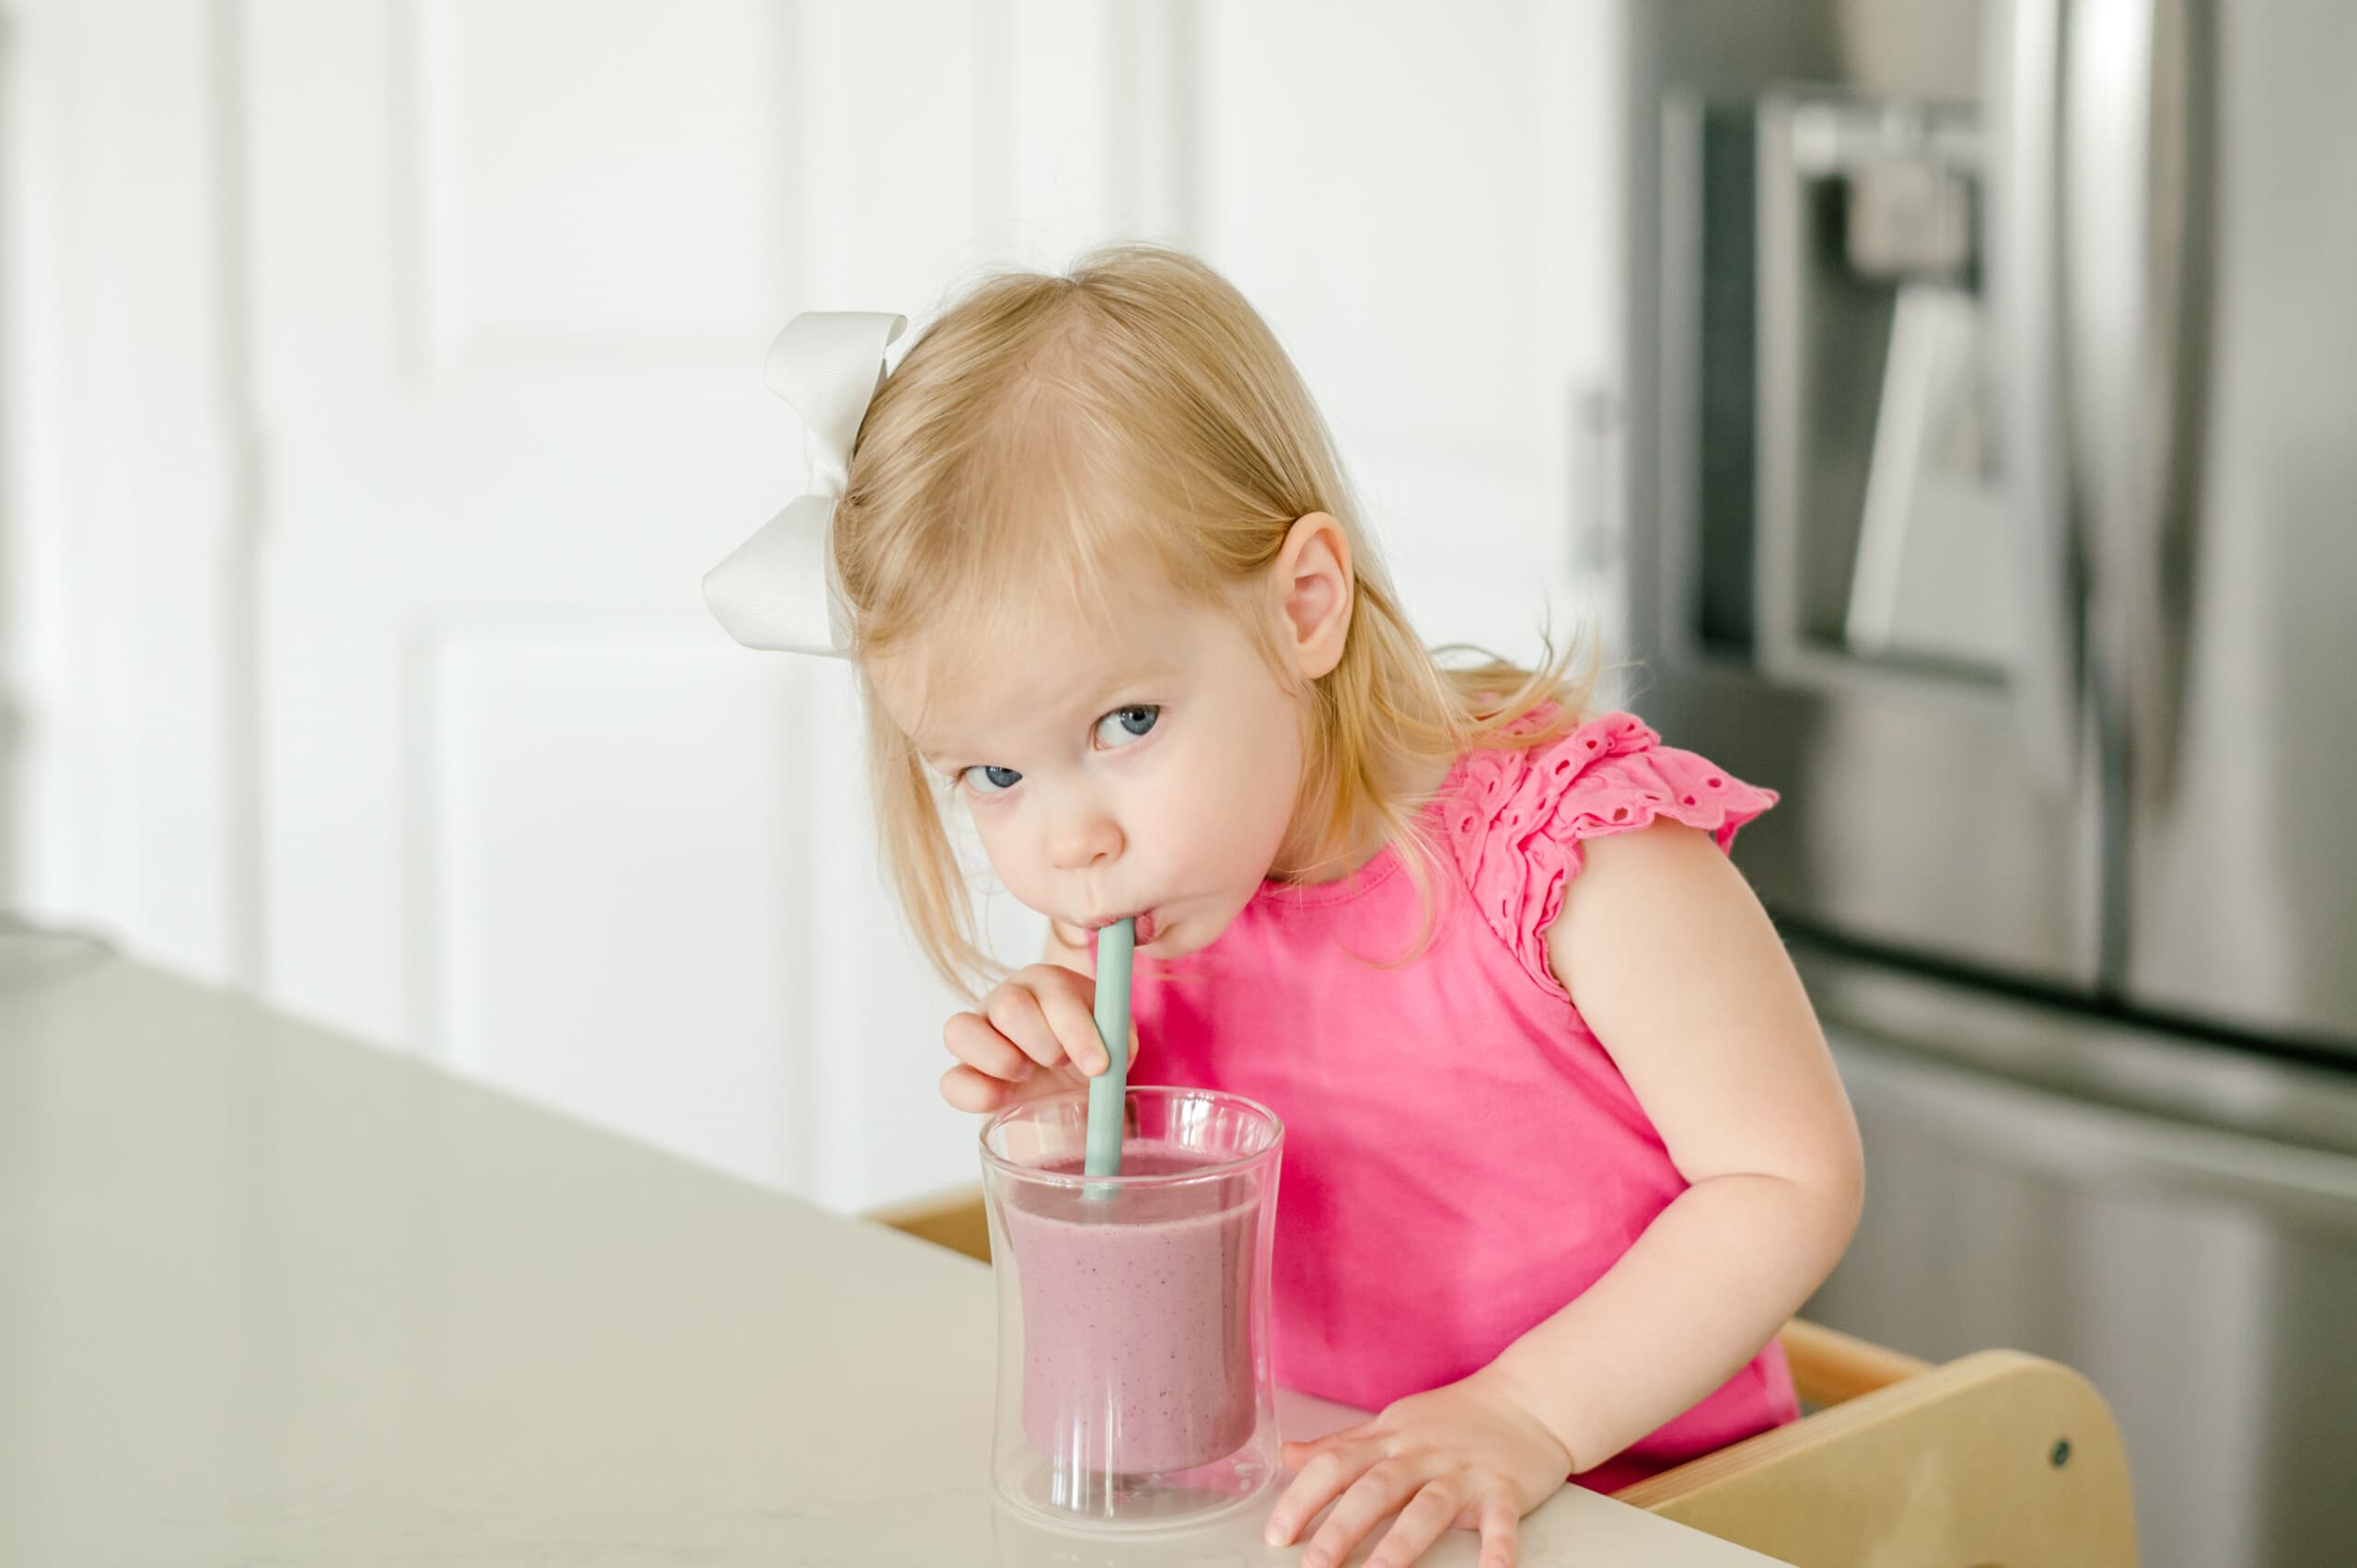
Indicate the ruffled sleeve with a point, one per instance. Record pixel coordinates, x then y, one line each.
1517 818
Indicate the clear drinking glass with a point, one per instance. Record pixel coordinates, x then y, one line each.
1134 1389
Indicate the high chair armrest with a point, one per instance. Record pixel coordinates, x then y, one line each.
1997 1457
1830 1367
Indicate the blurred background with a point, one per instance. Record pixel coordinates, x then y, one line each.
1946 405
383 376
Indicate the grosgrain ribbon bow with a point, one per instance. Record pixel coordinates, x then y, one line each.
777 589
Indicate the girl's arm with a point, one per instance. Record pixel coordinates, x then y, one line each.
1682 978
1684 983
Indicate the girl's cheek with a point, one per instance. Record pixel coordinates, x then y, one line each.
1003 850
1189 821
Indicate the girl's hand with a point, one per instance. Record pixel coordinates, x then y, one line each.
1036 1035
1470 1454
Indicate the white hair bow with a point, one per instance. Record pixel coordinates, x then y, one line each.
778 588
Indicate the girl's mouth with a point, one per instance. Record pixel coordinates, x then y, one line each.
1146 926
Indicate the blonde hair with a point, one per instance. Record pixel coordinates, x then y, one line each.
1137 411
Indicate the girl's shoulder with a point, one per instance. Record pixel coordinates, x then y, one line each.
1515 816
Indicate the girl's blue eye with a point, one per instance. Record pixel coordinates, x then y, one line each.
987 780
1125 725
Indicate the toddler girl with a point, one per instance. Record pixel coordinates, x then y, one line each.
1565 1148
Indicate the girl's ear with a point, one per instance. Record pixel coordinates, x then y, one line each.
1313 586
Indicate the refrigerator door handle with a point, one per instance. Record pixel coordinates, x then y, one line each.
2133 137
2022 95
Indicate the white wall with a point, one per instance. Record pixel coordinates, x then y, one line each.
380 377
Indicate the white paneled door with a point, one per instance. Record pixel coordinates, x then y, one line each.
527 810
496 281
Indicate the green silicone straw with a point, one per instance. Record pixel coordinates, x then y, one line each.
1108 1092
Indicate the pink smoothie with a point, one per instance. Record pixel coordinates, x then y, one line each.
1137 1315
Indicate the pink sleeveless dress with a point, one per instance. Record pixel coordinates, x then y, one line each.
1462 1158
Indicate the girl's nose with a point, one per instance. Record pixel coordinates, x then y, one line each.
1084 839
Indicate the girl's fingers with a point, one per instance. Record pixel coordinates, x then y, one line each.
1042 1017
1317 1481
968 1091
971 1039
1073 1022
1014 1011
1293 1455
1418 1524
1374 1494
1501 1531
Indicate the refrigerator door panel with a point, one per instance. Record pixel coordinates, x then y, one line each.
1939 794
2242 876
2198 1272
1909 818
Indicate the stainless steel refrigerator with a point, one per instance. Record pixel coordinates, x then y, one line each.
1993 493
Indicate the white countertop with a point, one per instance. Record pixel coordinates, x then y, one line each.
270 1296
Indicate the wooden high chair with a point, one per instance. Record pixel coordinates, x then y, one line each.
1997 1459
